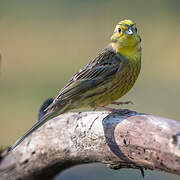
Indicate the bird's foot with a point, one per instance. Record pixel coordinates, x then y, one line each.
118 111
122 103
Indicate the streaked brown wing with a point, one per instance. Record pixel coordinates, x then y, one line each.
89 81
99 71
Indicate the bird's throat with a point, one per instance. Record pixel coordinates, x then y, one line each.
131 52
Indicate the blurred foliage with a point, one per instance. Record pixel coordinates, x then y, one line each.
43 43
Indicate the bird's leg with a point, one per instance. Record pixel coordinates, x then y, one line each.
119 111
122 103
106 108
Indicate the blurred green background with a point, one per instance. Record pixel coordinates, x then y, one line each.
43 43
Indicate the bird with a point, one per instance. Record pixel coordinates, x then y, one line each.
106 78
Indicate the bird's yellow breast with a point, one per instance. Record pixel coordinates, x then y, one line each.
124 81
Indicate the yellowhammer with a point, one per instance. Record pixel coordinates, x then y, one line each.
106 78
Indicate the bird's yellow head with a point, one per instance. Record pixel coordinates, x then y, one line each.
126 39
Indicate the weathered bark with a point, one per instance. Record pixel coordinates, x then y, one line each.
121 140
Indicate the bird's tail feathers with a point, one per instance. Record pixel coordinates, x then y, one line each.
54 111
39 123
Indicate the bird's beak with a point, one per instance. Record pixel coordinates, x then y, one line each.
130 31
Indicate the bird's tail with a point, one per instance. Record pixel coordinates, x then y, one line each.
39 123
43 116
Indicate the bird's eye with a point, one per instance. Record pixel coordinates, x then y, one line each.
135 29
119 30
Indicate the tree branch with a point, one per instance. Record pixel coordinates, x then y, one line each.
121 140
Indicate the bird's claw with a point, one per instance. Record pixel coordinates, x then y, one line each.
122 103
